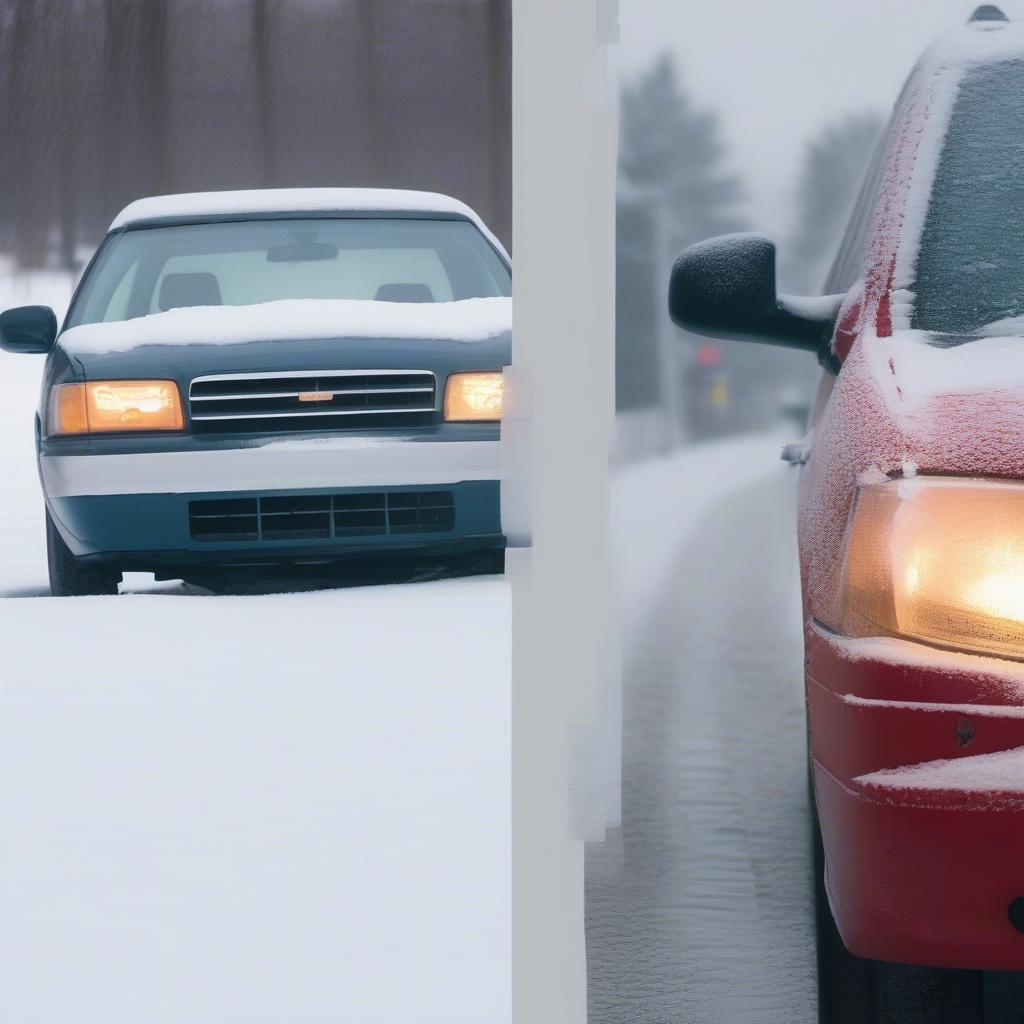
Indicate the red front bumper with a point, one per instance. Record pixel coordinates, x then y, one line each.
917 874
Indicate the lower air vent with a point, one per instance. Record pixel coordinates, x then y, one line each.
321 517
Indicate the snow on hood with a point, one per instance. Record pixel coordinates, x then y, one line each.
952 408
467 320
913 370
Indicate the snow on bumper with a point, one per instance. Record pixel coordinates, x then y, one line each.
303 465
918 760
126 508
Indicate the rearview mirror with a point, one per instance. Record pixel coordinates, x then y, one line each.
28 329
725 288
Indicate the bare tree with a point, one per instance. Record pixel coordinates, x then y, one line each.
261 32
107 100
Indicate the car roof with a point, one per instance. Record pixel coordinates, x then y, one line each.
193 206
985 39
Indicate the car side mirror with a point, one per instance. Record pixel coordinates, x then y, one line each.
725 288
28 329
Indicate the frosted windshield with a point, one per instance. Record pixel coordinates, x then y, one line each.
970 268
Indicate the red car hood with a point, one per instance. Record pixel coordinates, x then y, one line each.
958 408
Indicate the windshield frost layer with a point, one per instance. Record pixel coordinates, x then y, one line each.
240 263
970 268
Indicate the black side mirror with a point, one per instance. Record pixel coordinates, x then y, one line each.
725 288
28 329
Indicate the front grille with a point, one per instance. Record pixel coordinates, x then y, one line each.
308 400
321 516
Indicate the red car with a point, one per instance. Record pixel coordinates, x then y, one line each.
911 530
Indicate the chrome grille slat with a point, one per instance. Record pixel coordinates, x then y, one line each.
304 400
291 374
323 391
202 417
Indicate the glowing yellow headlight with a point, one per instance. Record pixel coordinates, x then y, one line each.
474 396
939 560
112 406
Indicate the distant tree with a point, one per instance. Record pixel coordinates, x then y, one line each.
672 163
102 101
262 34
835 162
670 146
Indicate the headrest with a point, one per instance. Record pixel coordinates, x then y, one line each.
405 291
178 290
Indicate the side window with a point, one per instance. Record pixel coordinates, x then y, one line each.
117 307
849 263
849 260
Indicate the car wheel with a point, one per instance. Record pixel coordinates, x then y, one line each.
68 577
852 990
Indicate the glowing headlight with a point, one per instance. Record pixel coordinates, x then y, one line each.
939 560
473 396
112 406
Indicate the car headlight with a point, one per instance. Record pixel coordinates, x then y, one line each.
939 560
474 396
114 406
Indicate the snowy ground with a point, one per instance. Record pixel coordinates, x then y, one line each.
222 809
295 807
699 908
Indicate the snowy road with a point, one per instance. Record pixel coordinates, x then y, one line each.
226 809
699 910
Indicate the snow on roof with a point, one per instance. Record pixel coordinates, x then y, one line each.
467 320
977 42
297 200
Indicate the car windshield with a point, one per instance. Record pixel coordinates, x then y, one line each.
970 268
238 263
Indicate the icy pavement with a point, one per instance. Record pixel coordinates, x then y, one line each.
699 910
246 809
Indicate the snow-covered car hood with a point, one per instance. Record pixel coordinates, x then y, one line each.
473 334
468 320
956 404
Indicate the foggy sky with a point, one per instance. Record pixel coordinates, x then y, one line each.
776 70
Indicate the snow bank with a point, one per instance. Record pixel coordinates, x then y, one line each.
289 807
1002 772
468 320
297 200
282 808
38 288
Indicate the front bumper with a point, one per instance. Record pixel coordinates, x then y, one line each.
924 842
132 509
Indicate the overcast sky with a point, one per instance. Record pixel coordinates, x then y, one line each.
777 70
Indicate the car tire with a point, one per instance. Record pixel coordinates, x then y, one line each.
68 577
852 990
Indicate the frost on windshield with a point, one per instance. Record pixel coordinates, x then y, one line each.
969 268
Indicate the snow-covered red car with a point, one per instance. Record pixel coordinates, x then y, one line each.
911 532
249 381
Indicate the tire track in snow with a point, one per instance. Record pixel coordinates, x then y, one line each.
700 909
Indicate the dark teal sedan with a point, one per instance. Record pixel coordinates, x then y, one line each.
251 382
